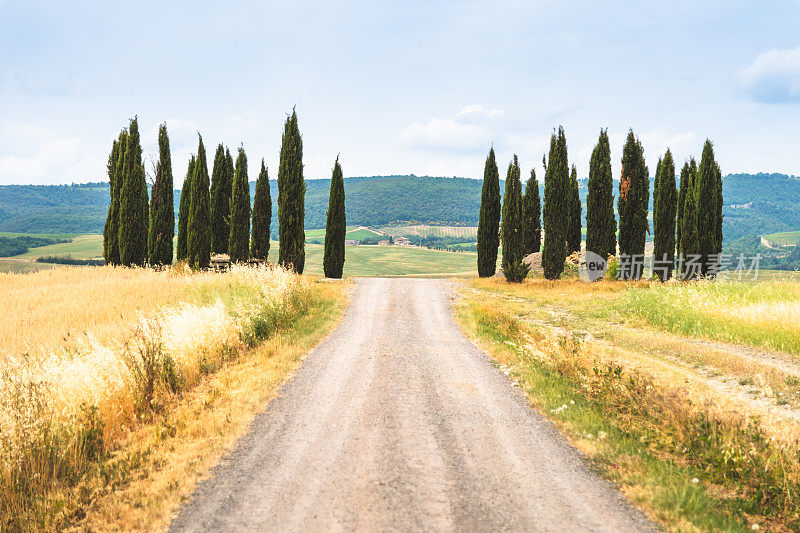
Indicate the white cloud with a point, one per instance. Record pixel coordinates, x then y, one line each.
774 77
468 131
54 159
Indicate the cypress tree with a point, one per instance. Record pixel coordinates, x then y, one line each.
718 209
601 226
689 245
262 217
512 230
632 205
221 191
531 209
291 198
183 212
574 230
198 229
707 216
556 207
111 229
684 179
239 238
489 219
133 204
665 205
335 226
162 209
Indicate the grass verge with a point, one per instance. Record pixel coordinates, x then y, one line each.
689 465
119 445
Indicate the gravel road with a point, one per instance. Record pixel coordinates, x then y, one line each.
398 422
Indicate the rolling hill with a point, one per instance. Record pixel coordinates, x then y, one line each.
755 204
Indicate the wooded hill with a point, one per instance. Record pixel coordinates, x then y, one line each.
755 204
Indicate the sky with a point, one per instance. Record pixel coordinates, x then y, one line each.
422 87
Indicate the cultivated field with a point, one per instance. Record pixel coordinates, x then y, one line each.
119 387
393 261
437 231
686 395
81 247
787 238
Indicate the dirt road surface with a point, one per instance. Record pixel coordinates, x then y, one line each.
398 422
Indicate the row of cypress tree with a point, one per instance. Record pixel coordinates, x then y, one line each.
214 216
688 221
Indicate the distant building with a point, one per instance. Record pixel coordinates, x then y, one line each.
383 243
402 241
351 242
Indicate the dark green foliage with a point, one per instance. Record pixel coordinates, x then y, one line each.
632 205
512 230
708 191
262 215
221 191
555 213
665 206
239 238
198 228
489 218
11 246
689 245
291 198
531 210
574 228
162 211
336 227
718 205
134 213
601 226
183 212
111 229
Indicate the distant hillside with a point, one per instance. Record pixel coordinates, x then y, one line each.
755 204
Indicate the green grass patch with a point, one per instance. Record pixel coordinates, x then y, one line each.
81 247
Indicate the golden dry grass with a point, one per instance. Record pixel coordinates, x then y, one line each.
62 307
67 401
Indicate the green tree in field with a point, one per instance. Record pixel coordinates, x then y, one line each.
632 205
239 238
221 191
574 229
512 230
555 213
718 202
489 219
708 190
665 205
133 209
291 198
198 230
689 244
183 212
335 227
531 209
162 209
601 226
111 229
262 217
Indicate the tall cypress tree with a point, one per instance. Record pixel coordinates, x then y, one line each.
183 212
574 236
133 209
239 238
531 209
689 245
262 217
665 206
489 219
162 208
291 198
556 207
718 202
335 226
221 191
111 229
633 203
198 230
601 226
512 230
707 216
